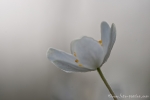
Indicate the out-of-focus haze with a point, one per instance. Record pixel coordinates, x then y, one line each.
29 27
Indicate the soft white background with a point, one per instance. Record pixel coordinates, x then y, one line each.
29 27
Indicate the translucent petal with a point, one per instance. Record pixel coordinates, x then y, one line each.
88 51
105 36
64 61
108 36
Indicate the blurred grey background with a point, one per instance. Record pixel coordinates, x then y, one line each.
29 27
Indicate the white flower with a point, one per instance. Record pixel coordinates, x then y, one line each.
87 54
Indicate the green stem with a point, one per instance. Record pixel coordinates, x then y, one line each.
106 83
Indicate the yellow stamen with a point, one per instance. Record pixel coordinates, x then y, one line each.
100 42
80 65
74 54
76 60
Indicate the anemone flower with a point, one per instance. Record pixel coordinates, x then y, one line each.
87 54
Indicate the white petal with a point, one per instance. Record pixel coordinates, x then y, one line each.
108 38
64 61
88 51
105 35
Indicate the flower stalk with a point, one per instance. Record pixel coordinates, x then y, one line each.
106 83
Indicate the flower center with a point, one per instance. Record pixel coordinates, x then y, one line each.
74 54
100 42
80 65
77 61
